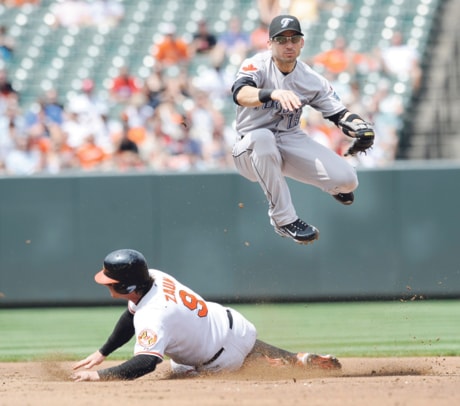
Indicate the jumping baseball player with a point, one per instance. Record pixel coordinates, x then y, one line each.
169 319
270 90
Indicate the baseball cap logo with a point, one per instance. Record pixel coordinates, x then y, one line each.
285 22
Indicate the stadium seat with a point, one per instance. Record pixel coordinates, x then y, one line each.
47 54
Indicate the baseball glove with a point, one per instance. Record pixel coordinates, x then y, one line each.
362 132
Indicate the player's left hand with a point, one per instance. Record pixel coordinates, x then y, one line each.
362 132
82 376
90 361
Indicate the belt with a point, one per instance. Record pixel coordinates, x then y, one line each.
218 353
230 319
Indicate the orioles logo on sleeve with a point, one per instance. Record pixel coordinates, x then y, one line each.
147 338
249 68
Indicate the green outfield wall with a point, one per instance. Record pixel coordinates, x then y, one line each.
399 239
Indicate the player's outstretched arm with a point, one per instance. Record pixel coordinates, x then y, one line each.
121 334
249 96
135 367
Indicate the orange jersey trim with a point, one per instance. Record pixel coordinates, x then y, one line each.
155 354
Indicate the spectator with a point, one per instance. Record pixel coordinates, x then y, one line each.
154 151
307 11
85 101
124 86
168 121
171 50
60 156
316 127
401 61
25 159
89 114
52 106
355 100
106 12
90 155
92 111
177 84
268 10
233 45
20 3
387 109
185 153
11 127
7 92
203 41
75 131
154 87
217 152
216 81
41 123
127 156
7 45
259 38
70 13
338 59
203 119
173 148
134 119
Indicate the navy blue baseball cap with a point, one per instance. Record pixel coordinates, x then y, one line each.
284 23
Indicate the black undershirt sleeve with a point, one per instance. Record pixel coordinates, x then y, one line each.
337 116
135 367
122 333
241 82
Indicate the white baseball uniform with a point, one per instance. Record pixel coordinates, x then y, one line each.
270 131
173 320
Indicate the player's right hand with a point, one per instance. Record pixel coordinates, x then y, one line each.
287 98
91 360
85 376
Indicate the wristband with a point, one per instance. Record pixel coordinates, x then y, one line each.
265 95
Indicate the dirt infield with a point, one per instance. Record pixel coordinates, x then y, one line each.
364 381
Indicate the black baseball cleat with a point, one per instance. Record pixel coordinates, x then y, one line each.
299 231
345 198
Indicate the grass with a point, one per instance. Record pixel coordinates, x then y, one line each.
349 329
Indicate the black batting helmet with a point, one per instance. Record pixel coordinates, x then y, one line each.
125 269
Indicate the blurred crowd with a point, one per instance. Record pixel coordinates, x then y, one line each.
179 119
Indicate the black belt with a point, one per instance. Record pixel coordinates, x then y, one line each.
230 319
218 353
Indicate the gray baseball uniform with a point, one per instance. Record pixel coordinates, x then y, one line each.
270 130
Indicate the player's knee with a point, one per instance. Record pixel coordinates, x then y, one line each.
345 181
349 182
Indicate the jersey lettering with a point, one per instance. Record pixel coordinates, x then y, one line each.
169 289
294 118
191 302
270 104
